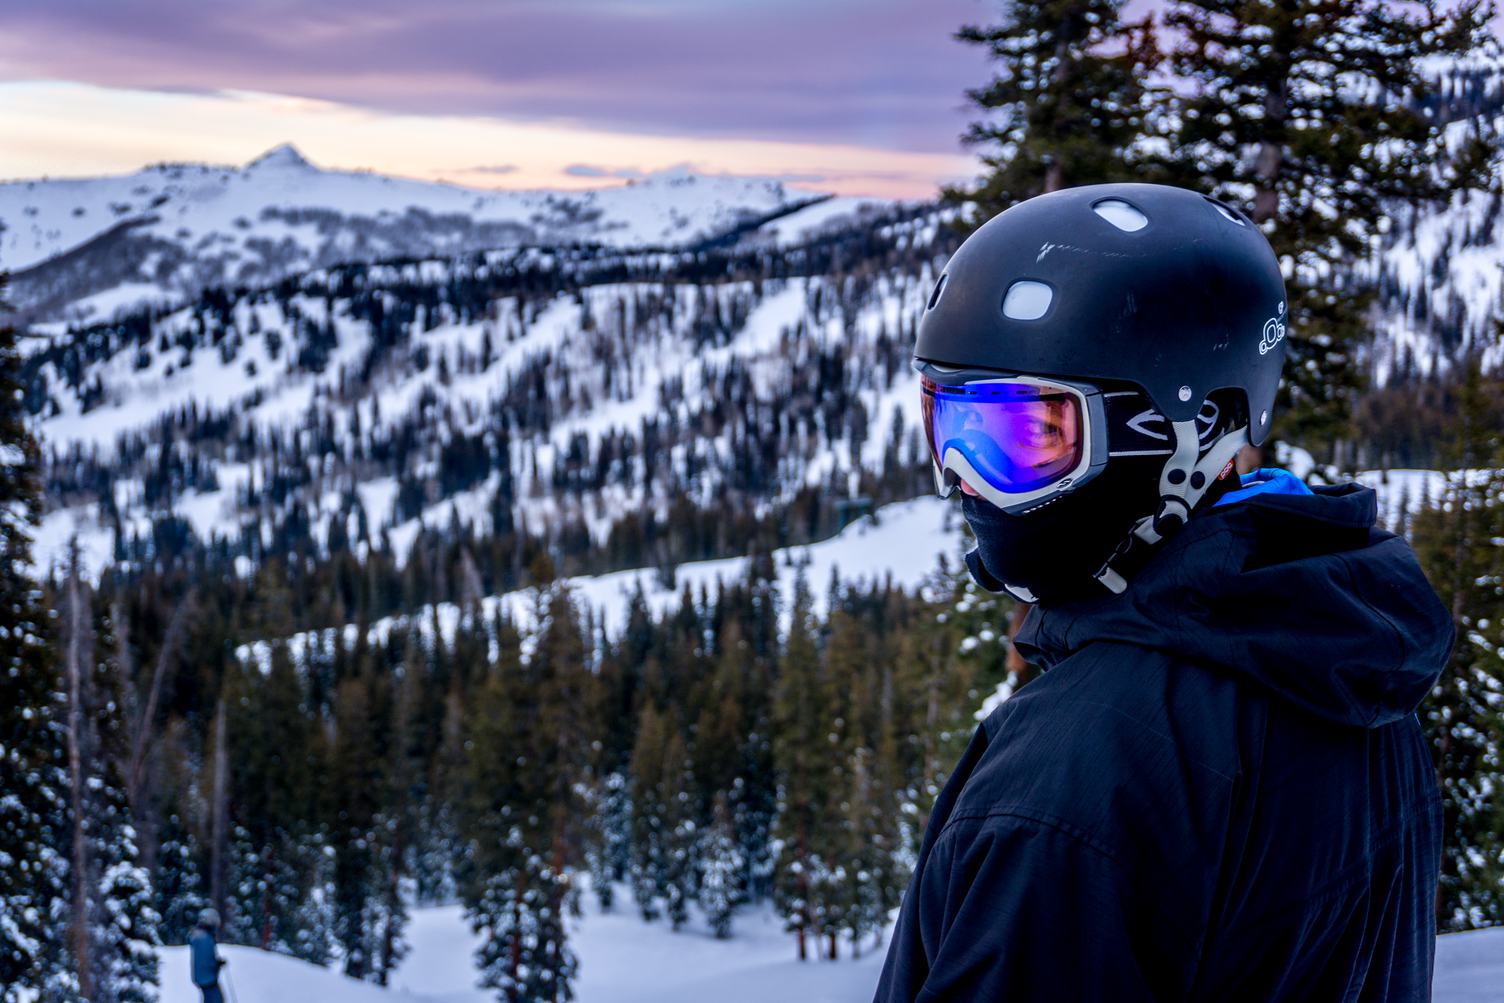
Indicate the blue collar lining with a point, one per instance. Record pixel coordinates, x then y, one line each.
1265 481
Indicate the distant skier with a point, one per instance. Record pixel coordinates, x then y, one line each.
203 957
1219 789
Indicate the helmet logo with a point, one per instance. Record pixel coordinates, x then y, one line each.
1274 331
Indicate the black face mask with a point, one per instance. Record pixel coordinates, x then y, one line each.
1055 550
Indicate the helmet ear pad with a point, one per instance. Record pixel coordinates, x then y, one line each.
1054 550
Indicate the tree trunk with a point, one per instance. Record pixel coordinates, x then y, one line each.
1054 174
135 774
1271 156
73 661
1054 177
219 850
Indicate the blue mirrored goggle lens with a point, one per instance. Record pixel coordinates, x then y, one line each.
1019 437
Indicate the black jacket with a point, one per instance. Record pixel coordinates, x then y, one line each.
1217 791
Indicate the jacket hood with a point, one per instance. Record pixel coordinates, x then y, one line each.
1300 594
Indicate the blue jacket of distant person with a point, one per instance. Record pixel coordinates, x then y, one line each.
1218 790
203 959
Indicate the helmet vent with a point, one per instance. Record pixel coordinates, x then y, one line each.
1225 210
1027 300
1121 214
935 296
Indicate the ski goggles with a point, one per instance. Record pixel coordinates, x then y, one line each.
1018 440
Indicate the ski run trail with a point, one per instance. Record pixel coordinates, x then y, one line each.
624 960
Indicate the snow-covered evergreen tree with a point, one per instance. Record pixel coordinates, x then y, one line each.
312 922
608 857
1309 115
127 929
523 955
1457 538
720 870
33 878
177 886
114 927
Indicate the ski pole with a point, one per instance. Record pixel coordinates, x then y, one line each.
230 985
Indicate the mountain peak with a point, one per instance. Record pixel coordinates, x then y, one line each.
282 155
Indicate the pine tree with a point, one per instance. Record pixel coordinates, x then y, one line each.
680 832
560 669
1306 114
515 884
122 925
799 740
523 955
1458 543
362 790
177 884
610 853
1066 101
649 814
848 652
720 869
312 922
276 768
33 878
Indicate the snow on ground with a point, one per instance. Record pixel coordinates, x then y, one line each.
255 976
51 540
1402 491
624 960
1469 967
807 223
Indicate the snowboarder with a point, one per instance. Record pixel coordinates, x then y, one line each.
203 957
1219 788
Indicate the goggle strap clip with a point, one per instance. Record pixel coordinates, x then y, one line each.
1177 501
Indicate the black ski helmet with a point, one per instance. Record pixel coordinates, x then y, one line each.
1151 286
1148 284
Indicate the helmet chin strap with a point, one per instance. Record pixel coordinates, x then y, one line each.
1182 484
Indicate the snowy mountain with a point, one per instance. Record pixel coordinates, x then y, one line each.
85 249
631 378
586 397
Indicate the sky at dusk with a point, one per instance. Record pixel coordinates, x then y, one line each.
850 96
853 96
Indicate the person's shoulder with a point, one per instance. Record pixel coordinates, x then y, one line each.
1110 738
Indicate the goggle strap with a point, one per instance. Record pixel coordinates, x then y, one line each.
1178 502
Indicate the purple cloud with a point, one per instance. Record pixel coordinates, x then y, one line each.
490 169
881 73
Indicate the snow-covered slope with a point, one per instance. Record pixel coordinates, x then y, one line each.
255 976
552 394
87 248
900 544
1469 967
624 960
